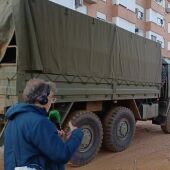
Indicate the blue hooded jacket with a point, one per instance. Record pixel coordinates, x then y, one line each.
31 139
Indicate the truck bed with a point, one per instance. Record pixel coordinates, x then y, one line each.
87 58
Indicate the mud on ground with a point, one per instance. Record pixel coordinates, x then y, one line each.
149 150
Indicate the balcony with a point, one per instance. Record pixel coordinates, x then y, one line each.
167 9
91 1
155 6
150 26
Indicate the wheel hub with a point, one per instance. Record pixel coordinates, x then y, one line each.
122 129
87 139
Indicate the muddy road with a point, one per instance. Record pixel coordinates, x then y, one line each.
149 150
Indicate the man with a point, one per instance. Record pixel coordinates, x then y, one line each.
31 140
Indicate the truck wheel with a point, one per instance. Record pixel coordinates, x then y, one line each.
166 126
92 140
119 128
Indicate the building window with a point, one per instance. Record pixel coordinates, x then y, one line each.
140 15
168 27
67 3
168 5
123 3
159 1
160 42
139 11
129 4
101 16
139 32
82 9
168 46
153 38
160 21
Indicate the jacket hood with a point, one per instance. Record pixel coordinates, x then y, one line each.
22 108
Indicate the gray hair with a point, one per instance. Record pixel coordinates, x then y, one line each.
36 88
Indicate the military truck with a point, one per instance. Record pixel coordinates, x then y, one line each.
106 77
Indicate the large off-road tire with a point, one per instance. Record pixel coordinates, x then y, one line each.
119 128
93 135
166 126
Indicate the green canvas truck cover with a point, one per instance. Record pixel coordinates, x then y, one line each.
6 25
57 40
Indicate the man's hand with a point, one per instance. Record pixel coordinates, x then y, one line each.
61 133
71 126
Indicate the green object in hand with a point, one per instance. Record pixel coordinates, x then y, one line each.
54 115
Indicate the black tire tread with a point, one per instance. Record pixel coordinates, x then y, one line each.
73 117
166 126
109 119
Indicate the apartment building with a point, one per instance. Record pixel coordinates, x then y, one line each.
147 18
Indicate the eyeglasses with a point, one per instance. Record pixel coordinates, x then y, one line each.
53 100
